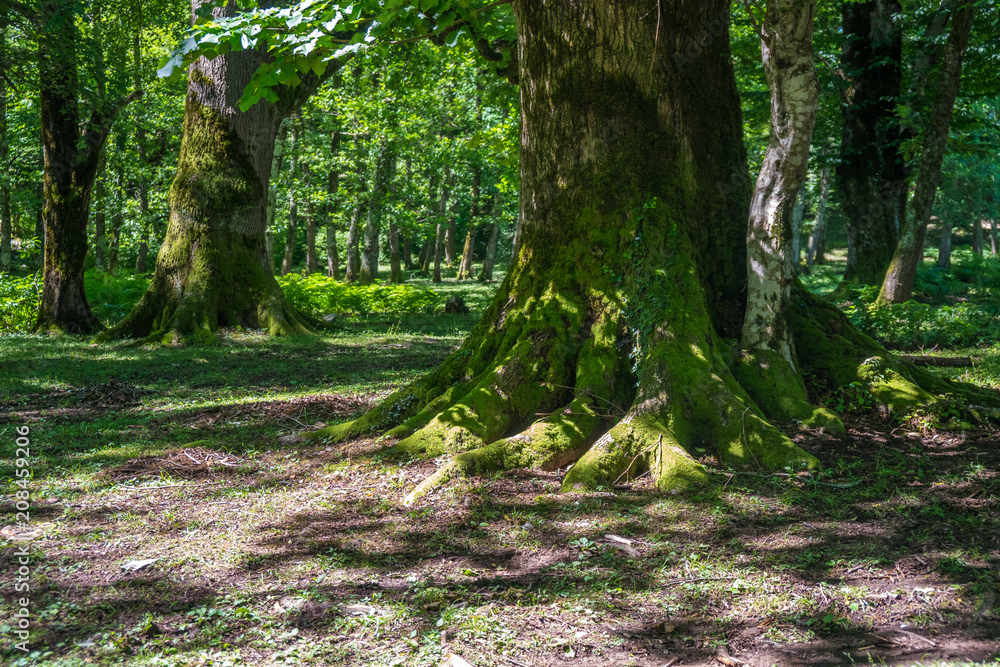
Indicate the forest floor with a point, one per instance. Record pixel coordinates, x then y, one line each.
169 526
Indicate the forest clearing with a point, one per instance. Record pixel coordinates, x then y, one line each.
446 332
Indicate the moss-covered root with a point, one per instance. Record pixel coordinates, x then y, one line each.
841 356
549 443
641 441
779 392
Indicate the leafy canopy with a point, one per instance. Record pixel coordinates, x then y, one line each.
305 37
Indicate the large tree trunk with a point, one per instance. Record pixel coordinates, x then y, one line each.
71 158
605 343
898 284
212 267
871 172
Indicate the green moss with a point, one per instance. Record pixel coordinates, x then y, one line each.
779 391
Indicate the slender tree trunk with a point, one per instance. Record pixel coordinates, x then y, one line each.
140 261
944 248
871 173
427 253
977 236
332 208
376 208
117 221
407 253
291 234
6 222
395 270
140 140
332 256
468 249
898 284
100 225
993 236
292 228
798 214
450 232
212 267
441 242
486 275
353 237
438 251
312 262
786 48
817 238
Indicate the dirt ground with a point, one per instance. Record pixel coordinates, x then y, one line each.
306 555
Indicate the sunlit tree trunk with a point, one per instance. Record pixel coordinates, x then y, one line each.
786 47
898 284
332 207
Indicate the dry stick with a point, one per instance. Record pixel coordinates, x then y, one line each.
166 486
697 579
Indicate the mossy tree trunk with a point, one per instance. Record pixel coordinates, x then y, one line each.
212 267
897 287
871 173
71 159
605 344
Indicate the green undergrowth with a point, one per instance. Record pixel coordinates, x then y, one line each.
320 295
951 308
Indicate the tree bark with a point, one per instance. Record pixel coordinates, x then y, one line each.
441 238
212 267
486 275
817 238
993 236
898 284
871 173
798 214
